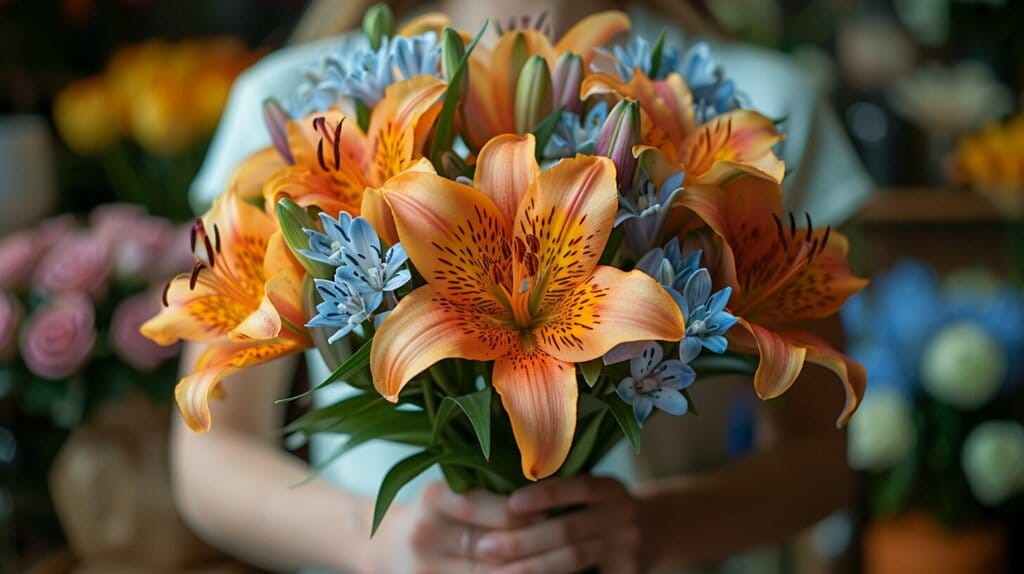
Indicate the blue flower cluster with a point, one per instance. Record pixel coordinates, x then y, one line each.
644 208
713 93
707 321
575 135
363 274
891 324
357 71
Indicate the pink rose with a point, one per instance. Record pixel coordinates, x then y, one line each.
10 316
58 339
52 230
78 262
129 344
19 254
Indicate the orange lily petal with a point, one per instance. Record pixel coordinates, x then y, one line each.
262 324
851 374
609 308
244 231
466 231
375 209
781 361
539 394
394 138
248 178
200 314
742 137
284 283
334 193
505 169
592 32
194 391
570 210
430 22
423 329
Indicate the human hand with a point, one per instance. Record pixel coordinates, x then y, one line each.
603 532
439 534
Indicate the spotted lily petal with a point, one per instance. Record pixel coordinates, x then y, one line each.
423 329
539 394
506 168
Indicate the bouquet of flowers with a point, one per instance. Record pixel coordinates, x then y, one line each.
513 254
72 300
939 431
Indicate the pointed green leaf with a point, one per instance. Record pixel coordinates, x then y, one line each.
292 219
324 418
477 408
591 370
656 55
357 362
546 129
363 115
623 414
444 132
725 364
582 445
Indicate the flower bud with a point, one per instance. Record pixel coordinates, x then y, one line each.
566 81
276 120
533 95
453 50
453 166
379 23
619 134
293 219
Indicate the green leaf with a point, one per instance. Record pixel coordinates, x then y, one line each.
322 419
726 364
623 414
659 48
545 129
611 249
412 466
477 408
582 446
357 362
444 133
591 370
292 219
362 115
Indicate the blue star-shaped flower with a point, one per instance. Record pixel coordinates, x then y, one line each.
656 383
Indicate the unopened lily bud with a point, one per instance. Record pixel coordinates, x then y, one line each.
453 50
619 134
276 120
566 81
533 94
379 23
293 219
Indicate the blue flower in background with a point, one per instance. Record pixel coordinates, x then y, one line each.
643 210
713 93
357 71
574 135
640 54
668 266
656 383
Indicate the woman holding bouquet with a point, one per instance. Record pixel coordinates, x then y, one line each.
694 505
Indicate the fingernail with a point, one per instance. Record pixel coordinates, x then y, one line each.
487 547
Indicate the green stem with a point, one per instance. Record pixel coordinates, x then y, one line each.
429 401
442 381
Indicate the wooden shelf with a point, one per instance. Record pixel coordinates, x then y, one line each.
926 205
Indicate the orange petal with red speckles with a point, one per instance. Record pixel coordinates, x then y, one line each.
609 308
742 137
425 328
539 394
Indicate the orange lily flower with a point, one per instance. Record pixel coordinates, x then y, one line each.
489 106
327 161
243 299
779 274
740 139
512 274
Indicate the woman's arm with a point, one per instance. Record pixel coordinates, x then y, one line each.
798 475
234 484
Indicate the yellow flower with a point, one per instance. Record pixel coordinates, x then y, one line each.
85 116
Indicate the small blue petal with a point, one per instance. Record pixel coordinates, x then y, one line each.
672 402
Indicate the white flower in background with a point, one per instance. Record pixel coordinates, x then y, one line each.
963 366
950 101
993 460
882 432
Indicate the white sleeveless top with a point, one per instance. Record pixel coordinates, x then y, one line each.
825 178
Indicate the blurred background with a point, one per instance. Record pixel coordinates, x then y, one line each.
106 109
